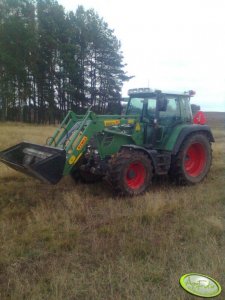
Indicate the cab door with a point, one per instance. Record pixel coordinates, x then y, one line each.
168 118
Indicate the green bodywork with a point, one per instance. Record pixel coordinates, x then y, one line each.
110 132
153 122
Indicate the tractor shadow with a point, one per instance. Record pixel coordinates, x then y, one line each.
163 182
103 189
20 188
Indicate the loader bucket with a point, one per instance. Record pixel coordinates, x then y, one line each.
43 162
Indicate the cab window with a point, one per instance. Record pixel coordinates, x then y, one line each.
135 106
151 107
172 113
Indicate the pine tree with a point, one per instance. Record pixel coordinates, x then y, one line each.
51 61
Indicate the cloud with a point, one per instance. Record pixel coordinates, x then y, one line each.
176 45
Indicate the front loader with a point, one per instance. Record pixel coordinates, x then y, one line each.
156 136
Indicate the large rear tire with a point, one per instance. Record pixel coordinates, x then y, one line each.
193 161
130 172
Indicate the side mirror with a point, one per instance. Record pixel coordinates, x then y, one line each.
162 103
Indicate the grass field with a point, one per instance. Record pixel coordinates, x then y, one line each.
75 241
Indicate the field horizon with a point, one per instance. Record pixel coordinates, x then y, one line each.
77 241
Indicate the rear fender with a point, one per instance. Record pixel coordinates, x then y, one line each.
187 131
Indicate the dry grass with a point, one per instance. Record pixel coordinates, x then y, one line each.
78 242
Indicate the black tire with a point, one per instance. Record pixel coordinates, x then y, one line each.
193 160
85 177
130 172
88 177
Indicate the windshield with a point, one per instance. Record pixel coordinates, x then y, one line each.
135 105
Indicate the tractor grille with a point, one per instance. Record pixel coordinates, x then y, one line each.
107 140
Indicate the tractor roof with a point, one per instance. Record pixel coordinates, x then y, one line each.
148 91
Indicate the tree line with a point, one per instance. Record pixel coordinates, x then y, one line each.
52 61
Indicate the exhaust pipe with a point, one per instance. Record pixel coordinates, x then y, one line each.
42 162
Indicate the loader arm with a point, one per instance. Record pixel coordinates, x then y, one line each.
51 162
77 131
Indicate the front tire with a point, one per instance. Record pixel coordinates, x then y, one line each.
130 172
193 161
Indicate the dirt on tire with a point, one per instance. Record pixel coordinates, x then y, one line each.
130 172
193 160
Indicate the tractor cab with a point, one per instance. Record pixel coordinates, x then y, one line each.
159 111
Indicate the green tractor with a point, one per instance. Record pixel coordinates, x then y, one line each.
156 136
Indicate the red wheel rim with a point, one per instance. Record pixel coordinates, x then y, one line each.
135 175
195 160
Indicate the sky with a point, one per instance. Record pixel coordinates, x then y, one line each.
171 45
